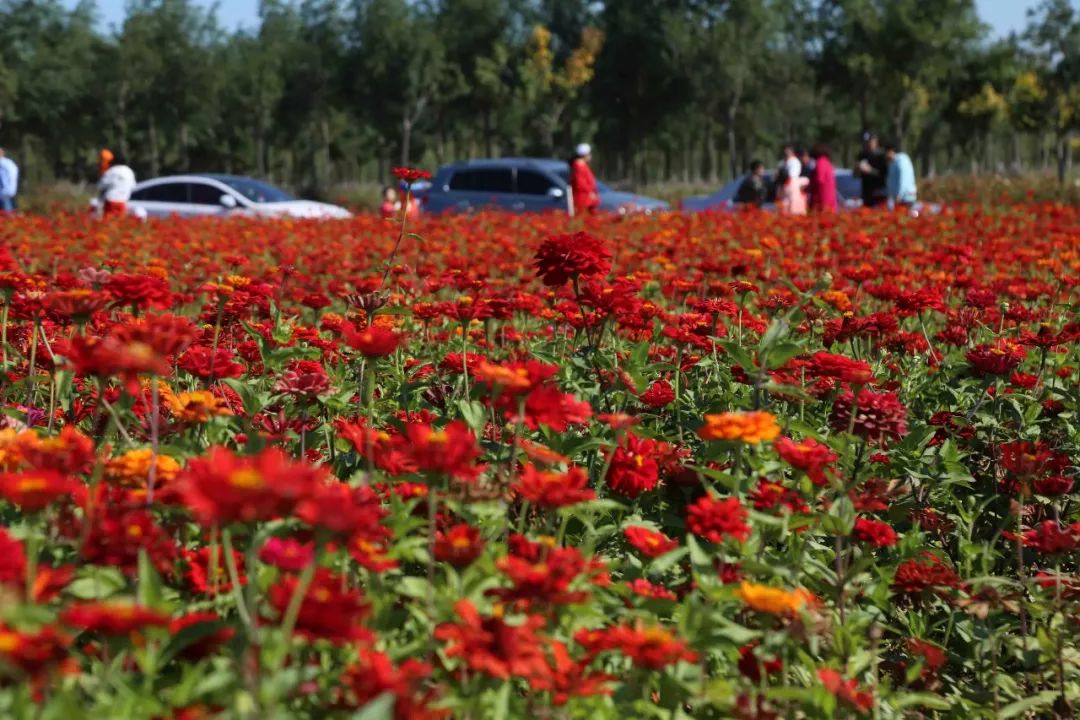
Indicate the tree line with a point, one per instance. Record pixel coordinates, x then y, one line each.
323 92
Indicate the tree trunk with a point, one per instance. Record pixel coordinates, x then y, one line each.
709 151
1063 157
154 169
185 158
406 140
487 133
732 111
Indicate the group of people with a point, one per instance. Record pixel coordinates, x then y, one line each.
806 179
115 182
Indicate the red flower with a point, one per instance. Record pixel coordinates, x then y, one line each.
223 487
563 257
209 574
928 572
810 456
373 675
548 489
714 519
839 367
450 451
32 652
650 648
491 646
112 617
1049 538
12 561
329 611
648 542
120 526
846 691
287 554
753 667
633 469
214 633
410 175
204 362
659 394
878 416
140 291
541 572
769 495
646 589
374 341
35 490
459 546
875 532
343 510
1000 359
547 405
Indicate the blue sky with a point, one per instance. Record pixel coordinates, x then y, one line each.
1003 15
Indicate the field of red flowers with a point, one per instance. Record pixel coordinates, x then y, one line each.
709 466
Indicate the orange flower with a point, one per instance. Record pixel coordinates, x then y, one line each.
132 469
196 407
775 601
748 427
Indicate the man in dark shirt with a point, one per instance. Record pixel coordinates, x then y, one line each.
872 168
753 190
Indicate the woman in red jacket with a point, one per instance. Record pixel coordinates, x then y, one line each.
582 181
822 181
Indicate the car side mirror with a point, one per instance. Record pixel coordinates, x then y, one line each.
228 202
556 193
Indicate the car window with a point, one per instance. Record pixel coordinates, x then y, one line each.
255 190
849 186
203 194
530 182
487 180
165 192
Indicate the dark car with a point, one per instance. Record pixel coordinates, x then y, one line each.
519 185
848 193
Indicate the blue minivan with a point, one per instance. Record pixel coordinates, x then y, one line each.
522 185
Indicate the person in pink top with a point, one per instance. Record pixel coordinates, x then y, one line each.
822 181
790 198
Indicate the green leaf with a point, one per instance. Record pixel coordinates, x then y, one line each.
1026 705
149 581
381 708
784 351
473 414
841 517
902 701
187 637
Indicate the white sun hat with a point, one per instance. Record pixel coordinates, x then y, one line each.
583 149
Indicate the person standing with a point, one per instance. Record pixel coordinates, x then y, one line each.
900 183
9 182
582 181
790 195
822 181
790 161
105 160
115 187
871 169
390 204
753 190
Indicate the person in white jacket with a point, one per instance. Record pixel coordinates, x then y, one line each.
115 186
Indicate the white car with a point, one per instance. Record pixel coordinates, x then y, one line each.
222 195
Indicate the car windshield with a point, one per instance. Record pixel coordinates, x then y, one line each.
600 185
256 191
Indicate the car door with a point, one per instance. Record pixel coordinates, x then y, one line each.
538 192
205 200
482 187
162 199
